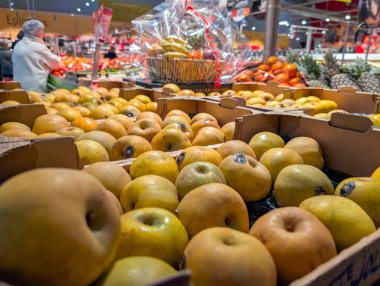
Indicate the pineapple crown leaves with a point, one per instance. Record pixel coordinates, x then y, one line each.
309 67
360 66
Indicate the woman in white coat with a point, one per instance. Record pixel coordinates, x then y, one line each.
32 60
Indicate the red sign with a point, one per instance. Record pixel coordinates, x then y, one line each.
102 21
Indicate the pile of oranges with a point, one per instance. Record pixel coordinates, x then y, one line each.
273 69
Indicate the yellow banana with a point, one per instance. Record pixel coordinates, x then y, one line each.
173 47
175 55
174 39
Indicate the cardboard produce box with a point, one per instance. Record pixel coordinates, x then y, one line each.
347 98
9 85
20 96
109 84
153 94
357 265
271 87
24 113
17 156
225 112
349 143
350 146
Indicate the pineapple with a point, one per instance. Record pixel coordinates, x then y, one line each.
369 82
312 71
366 75
336 74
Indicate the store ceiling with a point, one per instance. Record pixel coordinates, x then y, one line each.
316 10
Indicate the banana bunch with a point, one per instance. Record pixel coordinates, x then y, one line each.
175 48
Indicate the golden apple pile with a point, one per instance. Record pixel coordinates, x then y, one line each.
105 226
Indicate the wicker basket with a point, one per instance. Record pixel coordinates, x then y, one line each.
182 70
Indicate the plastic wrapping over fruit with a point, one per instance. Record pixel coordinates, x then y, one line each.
260 208
187 41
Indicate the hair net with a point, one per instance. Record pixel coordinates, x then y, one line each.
33 27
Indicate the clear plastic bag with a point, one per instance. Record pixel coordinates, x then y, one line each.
188 41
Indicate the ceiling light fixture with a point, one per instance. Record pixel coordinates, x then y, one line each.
304 22
87 4
79 9
348 17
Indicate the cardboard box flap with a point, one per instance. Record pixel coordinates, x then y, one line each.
194 106
350 152
181 278
40 153
347 151
9 85
20 96
347 98
253 124
9 143
350 122
273 84
25 113
153 94
111 84
347 89
272 87
231 103
357 265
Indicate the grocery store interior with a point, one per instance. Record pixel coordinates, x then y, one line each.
189 142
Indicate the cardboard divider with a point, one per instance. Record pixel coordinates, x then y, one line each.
347 98
357 265
20 96
9 85
349 144
108 84
23 155
153 94
225 111
271 87
24 113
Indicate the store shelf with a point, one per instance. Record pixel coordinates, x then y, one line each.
372 58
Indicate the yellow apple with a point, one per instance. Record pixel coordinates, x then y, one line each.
152 232
197 174
91 152
170 140
149 191
297 241
247 176
130 146
213 205
136 271
112 176
223 256
60 228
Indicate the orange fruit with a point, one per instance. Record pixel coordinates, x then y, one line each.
291 70
272 60
294 81
299 85
264 68
282 78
